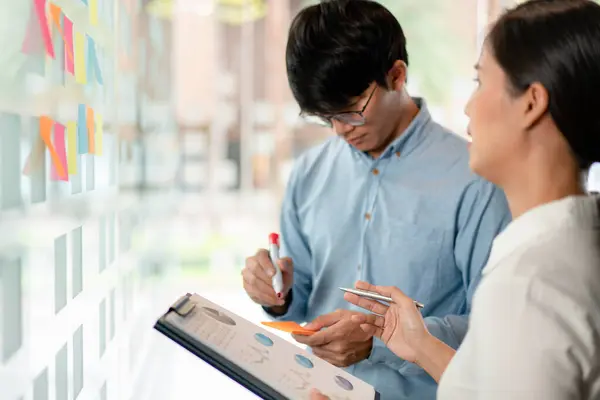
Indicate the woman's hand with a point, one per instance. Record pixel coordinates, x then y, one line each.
316 395
400 325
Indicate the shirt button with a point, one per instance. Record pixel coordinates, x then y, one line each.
359 267
375 171
367 216
397 154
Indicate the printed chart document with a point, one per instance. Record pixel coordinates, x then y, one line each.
264 363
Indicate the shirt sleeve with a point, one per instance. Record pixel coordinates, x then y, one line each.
482 214
294 244
520 346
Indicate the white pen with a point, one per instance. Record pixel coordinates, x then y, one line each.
277 280
375 296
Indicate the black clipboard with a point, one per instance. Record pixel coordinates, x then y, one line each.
183 307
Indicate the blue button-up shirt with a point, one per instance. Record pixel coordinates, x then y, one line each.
416 218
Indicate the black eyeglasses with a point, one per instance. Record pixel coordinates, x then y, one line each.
353 118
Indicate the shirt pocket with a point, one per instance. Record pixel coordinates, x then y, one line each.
419 248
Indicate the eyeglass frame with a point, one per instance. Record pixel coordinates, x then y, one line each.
328 120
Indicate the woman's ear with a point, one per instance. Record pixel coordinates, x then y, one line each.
535 104
397 75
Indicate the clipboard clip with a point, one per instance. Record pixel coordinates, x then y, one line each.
183 306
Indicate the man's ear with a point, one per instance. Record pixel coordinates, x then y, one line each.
397 75
535 105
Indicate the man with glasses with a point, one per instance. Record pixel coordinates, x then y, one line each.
390 199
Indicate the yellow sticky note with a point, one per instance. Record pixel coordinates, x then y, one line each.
99 131
72 147
93 5
80 73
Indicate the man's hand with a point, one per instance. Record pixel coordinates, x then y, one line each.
257 275
340 341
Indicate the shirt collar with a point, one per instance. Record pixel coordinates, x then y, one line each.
573 211
412 135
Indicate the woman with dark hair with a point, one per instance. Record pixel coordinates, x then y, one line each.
534 330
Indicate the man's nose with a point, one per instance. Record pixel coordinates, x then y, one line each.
341 128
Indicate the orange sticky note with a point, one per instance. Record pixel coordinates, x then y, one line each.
46 124
67 35
91 122
289 327
59 146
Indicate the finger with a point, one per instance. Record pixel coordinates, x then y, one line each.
255 268
264 262
382 290
318 339
286 264
369 319
258 289
325 320
316 395
372 330
368 304
396 294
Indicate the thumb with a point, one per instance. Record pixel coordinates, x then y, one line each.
286 264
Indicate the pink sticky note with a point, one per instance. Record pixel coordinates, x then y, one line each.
59 146
32 44
40 8
68 32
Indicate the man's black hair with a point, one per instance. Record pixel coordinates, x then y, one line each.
337 48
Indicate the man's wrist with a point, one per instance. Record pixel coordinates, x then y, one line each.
280 310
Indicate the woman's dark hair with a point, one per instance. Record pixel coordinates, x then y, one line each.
337 48
556 43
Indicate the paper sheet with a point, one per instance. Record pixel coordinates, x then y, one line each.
287 368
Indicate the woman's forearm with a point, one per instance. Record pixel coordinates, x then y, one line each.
434 356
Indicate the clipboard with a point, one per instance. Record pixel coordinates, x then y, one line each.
254 357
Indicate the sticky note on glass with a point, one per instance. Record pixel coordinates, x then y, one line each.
72 147
93 64
289 327
80 68
46 124
93 5
69 52
91 130
33 42
40 9
59 146
82 135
